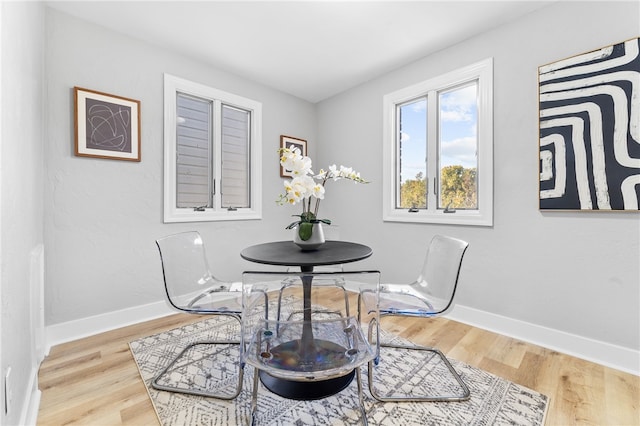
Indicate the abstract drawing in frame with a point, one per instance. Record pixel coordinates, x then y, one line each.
287 142
106 126
590 130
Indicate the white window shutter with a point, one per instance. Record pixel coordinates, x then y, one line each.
193 160
235 157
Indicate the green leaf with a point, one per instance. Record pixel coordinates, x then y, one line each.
307 217
293 225
304 230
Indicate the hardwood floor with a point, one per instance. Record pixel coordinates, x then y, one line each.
95 381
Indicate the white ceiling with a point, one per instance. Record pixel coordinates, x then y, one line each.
310 49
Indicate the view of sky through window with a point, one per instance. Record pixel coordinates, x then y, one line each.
459 127
458 132
413 139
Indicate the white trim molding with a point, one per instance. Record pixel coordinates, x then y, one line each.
482 72
173 213
617 357
31 403
607 354
84 327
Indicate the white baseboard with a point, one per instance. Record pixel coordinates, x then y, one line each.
617 357
29 413
77 329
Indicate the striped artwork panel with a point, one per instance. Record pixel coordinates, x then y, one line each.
590 130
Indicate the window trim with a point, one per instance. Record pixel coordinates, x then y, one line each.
172 85
481 71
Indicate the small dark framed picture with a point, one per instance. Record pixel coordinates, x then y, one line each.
287 142
106 126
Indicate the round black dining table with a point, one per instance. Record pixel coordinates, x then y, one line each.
286 253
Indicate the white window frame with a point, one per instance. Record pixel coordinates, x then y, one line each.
483 216
173 85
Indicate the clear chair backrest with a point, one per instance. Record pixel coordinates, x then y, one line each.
438 279
187 278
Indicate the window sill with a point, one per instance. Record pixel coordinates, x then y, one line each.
209 215
460 217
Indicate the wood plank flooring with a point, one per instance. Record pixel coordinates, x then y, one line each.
95 381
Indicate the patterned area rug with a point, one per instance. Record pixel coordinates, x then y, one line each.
494 401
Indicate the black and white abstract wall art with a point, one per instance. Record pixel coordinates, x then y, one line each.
590 130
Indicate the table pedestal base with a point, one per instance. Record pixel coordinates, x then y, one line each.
305 390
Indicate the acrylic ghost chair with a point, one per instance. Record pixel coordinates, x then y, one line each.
331 232
315 356
431 295
191 287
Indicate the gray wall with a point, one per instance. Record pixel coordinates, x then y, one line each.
21 198
574 272
103 216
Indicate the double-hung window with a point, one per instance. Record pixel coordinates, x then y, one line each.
438 149
212 154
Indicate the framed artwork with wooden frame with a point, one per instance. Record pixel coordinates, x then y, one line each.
106 126
286 142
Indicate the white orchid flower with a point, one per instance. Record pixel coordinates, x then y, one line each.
295 192
306 182
318 191
305 185
292 160
345 172
321 174
334 173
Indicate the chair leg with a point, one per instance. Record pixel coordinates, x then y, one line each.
155 383
363 412
463 396
254 396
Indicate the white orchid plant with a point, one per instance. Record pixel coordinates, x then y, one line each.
307 187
